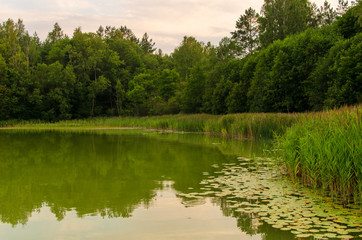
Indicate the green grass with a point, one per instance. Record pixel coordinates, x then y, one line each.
247 125
324 150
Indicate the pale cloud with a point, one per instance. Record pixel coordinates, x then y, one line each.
166 21
70 5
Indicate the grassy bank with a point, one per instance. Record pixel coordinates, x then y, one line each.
249 125
324 150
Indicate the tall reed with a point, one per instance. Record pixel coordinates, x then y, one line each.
324 150
248 125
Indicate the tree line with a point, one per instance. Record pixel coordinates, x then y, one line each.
292 57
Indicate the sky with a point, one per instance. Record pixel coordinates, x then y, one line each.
165 21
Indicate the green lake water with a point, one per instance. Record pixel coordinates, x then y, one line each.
127 184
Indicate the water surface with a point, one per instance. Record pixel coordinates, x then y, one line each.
145 185
110 184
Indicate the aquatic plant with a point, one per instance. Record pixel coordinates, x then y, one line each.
324 150
256 188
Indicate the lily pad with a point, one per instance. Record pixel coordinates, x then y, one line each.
304 235
345 236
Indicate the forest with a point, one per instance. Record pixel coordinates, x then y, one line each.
292 57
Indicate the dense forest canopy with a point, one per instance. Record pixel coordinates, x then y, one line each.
292 57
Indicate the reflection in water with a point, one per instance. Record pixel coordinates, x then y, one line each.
114 176
204 222
105 174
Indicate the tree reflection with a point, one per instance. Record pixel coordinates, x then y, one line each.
104 174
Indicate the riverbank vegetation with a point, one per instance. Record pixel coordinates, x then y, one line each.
324 150
243 125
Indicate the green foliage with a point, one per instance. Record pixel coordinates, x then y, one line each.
5 102
187 55
280 81
138 92
168 83
336 80
192 99
55 35
345 86
350 23
237 99
257 91
221 92
228 49
281 18
51 92
96 87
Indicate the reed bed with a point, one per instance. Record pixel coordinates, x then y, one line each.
246 125
324 150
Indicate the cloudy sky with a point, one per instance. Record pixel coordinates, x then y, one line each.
166 21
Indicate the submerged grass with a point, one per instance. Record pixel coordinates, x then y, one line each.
324 150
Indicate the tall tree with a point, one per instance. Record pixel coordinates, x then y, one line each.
228 48
281 18
326 14
100 31
187 55
247 31
56 34
147 44
128 34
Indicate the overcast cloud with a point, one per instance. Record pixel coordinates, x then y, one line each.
165 21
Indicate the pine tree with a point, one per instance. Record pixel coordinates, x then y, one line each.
247 31
147 44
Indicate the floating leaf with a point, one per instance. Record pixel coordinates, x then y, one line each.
304 235
345 236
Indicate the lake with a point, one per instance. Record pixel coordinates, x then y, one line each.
132 184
